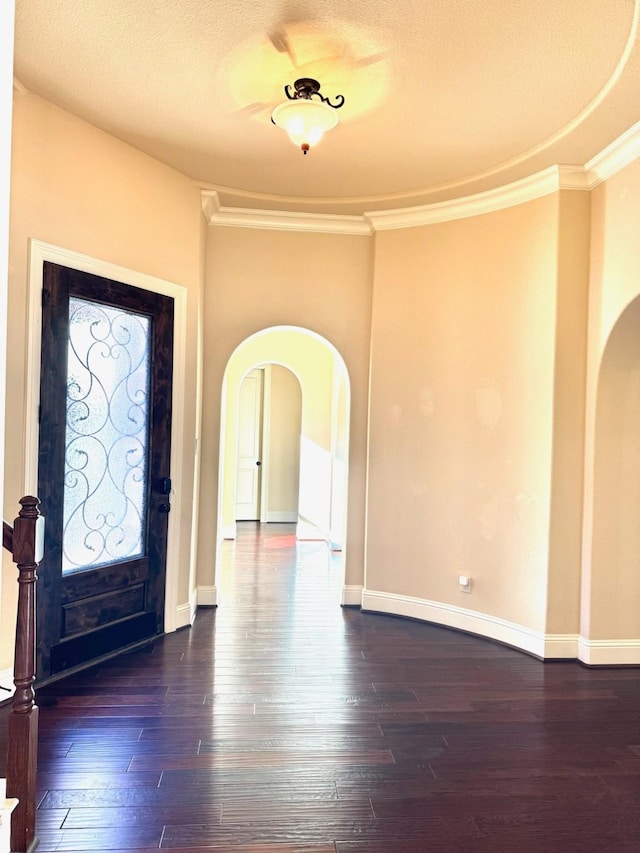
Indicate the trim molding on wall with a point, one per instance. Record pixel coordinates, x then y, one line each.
545 646
207 596
280 220
449 616
193 605
609 652
620 153
561 646
351 595
283 516
39 252
228 531
266 443
527 189
186 613
308 531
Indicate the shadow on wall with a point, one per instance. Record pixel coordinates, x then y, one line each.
324 428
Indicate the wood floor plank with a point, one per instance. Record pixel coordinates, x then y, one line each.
93 818
281 723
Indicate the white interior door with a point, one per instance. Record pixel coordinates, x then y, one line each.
249 447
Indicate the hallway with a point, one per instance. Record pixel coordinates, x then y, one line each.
281 723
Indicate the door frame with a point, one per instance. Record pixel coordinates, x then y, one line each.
260 424
175 615
265 426
266 514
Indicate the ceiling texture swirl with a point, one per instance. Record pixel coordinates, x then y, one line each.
443 98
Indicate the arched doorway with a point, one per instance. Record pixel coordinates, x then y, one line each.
611 575
322 377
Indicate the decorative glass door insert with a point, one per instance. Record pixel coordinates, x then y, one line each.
107 426
104 479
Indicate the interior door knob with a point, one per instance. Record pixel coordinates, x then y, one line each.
258 462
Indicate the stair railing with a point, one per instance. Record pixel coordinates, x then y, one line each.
25 541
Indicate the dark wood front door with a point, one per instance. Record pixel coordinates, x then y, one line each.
103 472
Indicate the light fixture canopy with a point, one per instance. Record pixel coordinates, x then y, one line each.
307 114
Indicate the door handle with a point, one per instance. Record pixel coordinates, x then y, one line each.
164 507
258 463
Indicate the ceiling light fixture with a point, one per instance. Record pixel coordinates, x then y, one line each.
307 114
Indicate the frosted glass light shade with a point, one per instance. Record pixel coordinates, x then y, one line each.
305 121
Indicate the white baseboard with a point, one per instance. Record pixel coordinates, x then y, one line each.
561 646
545 646
207 596
351 596
456 617
609 652
282 516
228 531
6 680
308 531
186 613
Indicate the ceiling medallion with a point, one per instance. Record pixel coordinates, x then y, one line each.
307 114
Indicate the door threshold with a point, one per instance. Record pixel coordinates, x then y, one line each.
80 667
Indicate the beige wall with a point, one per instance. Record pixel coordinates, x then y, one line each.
461 411
611 566
259 279
505 373
565 533
78 188
340 460
285 421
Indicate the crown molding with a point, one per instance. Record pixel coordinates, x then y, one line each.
210 204
620 153
280 220
527 189
573 178
615 157
18 86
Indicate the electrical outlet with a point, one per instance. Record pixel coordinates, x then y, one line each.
465 583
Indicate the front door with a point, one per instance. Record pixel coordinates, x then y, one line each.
103 471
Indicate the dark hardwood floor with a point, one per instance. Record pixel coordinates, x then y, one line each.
282 723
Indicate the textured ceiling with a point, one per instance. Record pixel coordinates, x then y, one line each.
443 97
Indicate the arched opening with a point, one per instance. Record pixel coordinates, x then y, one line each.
612 592
289 352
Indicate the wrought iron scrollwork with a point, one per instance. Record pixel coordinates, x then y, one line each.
105 483
307 88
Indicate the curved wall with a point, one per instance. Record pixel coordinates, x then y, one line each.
485 335
461 416
465 344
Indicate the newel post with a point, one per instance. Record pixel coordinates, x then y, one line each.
22 746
